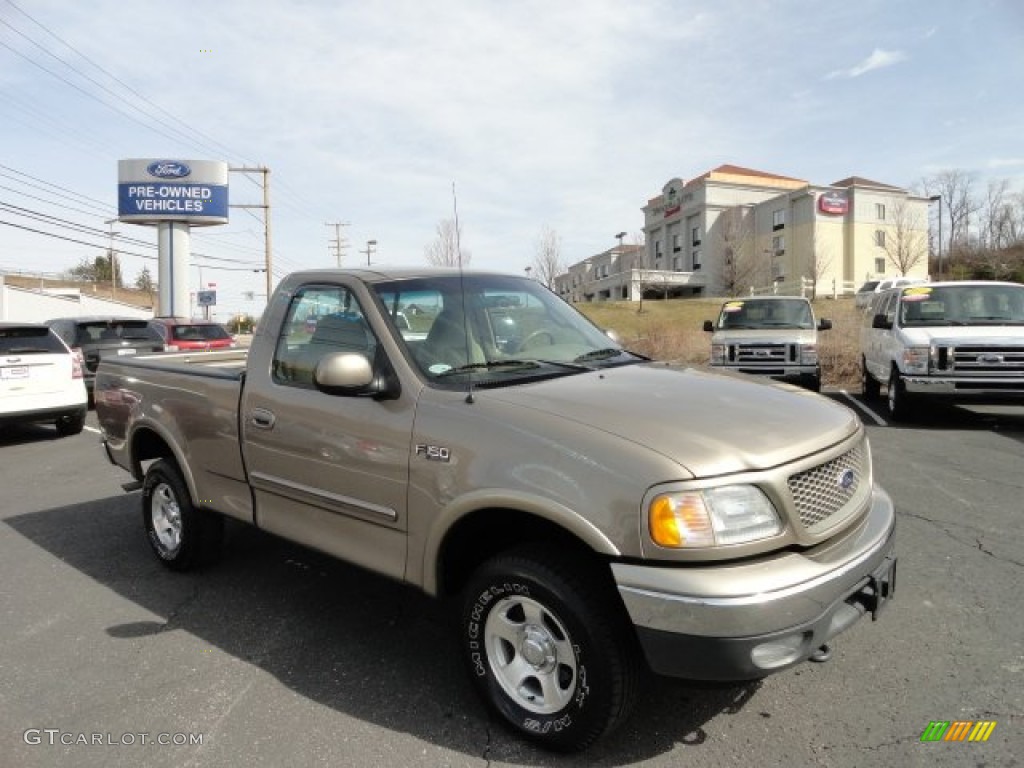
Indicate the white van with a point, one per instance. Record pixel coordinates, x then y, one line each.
956 340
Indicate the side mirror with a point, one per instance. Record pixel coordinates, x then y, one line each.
879 321
824 324
350 374
709 327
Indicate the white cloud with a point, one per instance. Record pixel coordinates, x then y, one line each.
878 59
1005 162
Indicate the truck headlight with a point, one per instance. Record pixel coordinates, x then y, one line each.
809 354
730 514
915 359
718 354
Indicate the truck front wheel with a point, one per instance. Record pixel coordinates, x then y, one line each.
181 535
549 648
901 405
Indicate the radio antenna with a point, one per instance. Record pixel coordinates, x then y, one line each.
462 290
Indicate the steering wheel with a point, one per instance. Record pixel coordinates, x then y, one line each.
528 341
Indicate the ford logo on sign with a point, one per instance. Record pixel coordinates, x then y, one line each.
168 169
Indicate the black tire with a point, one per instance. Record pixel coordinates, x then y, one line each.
869 384
549 647
901 406
72 423
182 536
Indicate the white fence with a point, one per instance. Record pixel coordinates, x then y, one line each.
805 287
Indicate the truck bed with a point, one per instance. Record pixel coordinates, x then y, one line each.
192 398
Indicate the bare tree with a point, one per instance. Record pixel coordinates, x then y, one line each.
734 241
955 188
906 237
819 263
996 217
547 260
445 250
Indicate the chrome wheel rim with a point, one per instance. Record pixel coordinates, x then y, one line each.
531 655
165 514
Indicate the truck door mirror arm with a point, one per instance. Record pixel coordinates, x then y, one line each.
879 321
824 324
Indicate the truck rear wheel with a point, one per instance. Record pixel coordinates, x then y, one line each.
181 535
549 648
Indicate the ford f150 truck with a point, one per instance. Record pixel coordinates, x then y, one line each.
774 336
591 511
958 341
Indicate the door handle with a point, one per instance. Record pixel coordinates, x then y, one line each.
262 418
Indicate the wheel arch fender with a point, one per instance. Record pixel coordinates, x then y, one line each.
150 440
483 523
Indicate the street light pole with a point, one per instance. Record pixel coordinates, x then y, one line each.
938 240
370 244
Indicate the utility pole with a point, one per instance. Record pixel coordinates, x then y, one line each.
262 169
337 243
370 245
112 259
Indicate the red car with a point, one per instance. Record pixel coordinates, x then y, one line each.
182 335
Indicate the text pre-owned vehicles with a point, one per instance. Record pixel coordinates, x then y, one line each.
773 336
95 337
592 511
183 335
956 340
40 379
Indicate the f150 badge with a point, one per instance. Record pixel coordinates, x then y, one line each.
433 452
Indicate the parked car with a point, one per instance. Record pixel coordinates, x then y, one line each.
872 288
40 379
774 336
180 334
957 340
97 336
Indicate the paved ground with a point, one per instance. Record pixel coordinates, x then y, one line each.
279 656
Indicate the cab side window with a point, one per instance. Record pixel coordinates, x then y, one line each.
321 320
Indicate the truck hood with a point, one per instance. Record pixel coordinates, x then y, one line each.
951 335
710 423
765 335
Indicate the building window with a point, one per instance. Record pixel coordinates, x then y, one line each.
880 238
677 243
778 244
880 265
677 263
779 219
880 211
695 236
696 260
657 249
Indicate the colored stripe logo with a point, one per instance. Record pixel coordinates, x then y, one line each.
958 730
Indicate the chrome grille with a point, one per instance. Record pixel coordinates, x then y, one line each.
762 353
820 492
987 359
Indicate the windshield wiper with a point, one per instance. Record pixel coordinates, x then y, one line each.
489 365
599 354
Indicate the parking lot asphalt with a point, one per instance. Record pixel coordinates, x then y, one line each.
281 656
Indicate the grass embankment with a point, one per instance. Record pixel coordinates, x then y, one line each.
671 330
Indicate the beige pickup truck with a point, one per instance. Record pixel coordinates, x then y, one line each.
594 514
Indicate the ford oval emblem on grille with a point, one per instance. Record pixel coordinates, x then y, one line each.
845 479
168 169
990 358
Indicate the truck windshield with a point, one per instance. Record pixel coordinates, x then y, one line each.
765 313
499 328
966 304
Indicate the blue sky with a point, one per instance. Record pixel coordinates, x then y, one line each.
562 115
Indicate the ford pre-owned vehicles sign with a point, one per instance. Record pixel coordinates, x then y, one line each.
168 169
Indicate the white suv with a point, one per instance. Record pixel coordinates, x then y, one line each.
957 340
40 379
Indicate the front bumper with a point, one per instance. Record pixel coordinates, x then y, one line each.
741 621
805 375
966 387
